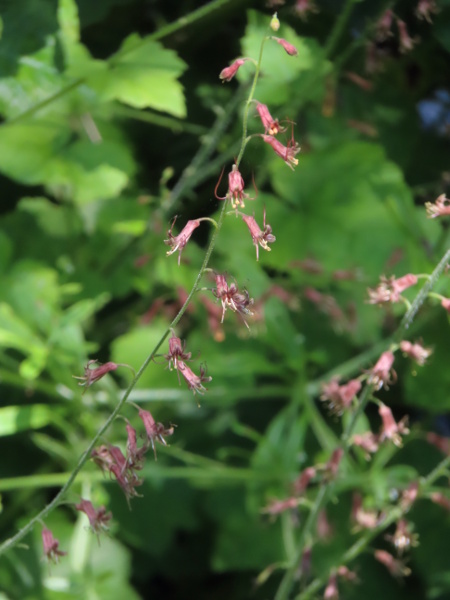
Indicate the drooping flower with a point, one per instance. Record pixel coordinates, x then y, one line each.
303 8
236 185
51 546
301 483
339 397
391 430
271 125
403 539
441 500
179 241
439 208
389 290
362 517
332 466
275 507
415 351
425 8
440 442
261 237
368 441
194 382
232 298
382 372
394 566
384 25
287 153
135 455
406 41
155 431
98 518
92 375
289 48
228 73
331 591
111 459
176 352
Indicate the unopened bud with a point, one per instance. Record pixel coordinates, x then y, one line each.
275 23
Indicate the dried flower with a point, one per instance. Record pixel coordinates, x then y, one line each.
415 351
271 125
287 153
51 546
179 242
339 397
289 48
389 290
391 430
382 373
263 238
98 519
439 208
395 567
235 192
228 73
231 298
92 375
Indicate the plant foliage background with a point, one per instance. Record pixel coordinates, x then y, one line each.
114 121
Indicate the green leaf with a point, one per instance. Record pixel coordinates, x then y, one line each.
143 74
23 418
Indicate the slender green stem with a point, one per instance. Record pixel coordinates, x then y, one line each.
339 26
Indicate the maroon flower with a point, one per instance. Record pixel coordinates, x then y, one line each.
135 455
92 375
194 382
301 483
263 238
271 125
112 460
231 298
98 519
235 192
155 431
51 546
228 73
441 500
287 153
439 208
290 49
179 242
176 352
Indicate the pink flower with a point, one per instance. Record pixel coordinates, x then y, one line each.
235 192
135 455
384 25
331 591
415 351
228 73
364 518
263 238
409 496
441 500
394 566
445 303
332 466
271 125
194 382
382 373
303 7
278 506
390 429
325 529
290 49
301 483
231 298
406 41
439 208
155 431
51 546
179 242
389 290
92 375
287 153
98 519
425 8
112 460
368 441
441 443
338 396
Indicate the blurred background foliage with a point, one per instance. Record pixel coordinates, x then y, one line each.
115 121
